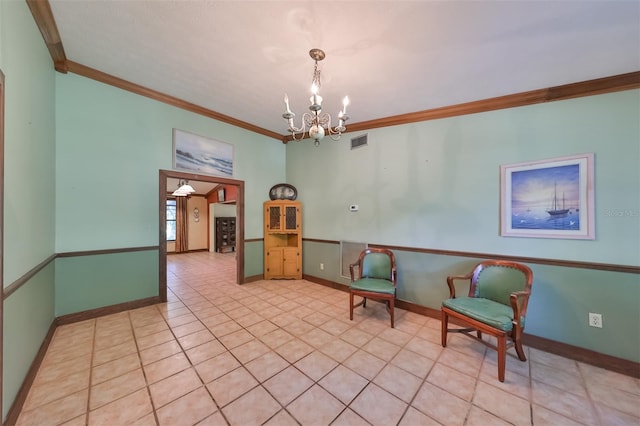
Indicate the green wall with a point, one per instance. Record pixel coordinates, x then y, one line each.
436 185
110 145
253 259
28 315
29 192
94 281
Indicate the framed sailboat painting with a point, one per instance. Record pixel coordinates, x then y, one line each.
551 198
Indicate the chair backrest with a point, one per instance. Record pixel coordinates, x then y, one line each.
377 263
497 279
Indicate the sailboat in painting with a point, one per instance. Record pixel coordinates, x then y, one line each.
555 211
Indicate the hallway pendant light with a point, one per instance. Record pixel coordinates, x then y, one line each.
318 122
184 189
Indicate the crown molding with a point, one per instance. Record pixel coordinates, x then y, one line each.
597 86
41 10
42 14
102 77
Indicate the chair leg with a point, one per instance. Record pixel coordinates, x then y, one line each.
364 302
518 345
351 306
502 357
445 325
391 306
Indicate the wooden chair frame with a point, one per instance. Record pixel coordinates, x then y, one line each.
519 301
389 299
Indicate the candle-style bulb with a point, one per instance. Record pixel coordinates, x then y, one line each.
286 102
345 102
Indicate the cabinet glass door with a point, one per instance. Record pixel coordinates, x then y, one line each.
291 218
274 217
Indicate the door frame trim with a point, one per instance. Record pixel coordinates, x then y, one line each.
2 91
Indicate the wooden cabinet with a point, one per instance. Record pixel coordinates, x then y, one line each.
282 239
225 234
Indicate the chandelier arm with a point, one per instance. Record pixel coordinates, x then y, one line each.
309 119
324 120
297 139
294 129
297 131
331 132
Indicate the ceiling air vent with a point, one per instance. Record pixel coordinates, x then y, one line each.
359 141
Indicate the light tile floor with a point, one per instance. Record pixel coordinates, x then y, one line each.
285 353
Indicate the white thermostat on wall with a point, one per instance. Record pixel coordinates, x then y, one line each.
353 207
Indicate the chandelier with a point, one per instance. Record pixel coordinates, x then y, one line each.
318 122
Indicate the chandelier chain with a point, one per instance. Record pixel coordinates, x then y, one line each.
316 76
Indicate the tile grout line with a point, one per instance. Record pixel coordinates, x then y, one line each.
586 389
93 352
530 381
144 373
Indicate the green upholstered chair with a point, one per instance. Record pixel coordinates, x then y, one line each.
376 279
496 305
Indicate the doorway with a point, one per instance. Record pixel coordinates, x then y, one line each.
164 175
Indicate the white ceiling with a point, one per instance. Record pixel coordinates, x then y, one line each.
238 58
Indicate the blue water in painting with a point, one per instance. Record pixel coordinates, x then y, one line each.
203 163
540 219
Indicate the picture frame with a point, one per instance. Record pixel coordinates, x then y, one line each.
283 191
551 198
199 154
221 195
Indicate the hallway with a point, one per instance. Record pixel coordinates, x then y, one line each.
285 353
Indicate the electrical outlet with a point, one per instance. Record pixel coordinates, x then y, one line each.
322 266
595 320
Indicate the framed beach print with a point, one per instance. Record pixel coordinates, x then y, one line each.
196 153
548 198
